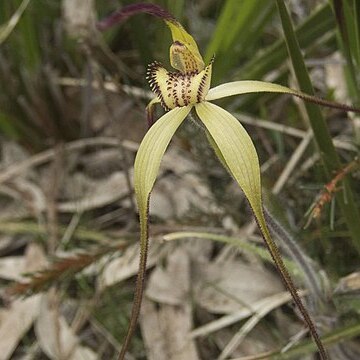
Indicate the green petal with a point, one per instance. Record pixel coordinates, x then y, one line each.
151 151
253 86
146 168
234 146
247 87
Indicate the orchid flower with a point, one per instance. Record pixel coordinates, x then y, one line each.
179 92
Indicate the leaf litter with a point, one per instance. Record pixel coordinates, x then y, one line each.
186 281
190 279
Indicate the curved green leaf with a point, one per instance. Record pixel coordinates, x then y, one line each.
254 86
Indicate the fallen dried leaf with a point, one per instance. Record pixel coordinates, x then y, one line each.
15 322
348 284
14 267
94 194
55 337
127 264
231 286
170 285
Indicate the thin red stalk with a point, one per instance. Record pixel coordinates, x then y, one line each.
127 11
330 104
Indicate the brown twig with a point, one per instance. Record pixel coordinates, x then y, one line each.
329 190
60 268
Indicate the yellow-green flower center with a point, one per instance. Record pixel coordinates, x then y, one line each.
175 89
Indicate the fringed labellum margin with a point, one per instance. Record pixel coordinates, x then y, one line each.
176 89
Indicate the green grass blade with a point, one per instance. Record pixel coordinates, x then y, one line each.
6 29
237 13
347 40
239 243
315 26
307 348
356 5
322 136
28 45
350 18
231 43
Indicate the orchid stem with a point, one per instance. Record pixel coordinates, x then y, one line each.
140 284
288 282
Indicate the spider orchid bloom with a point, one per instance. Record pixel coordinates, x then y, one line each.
186 88
178 92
